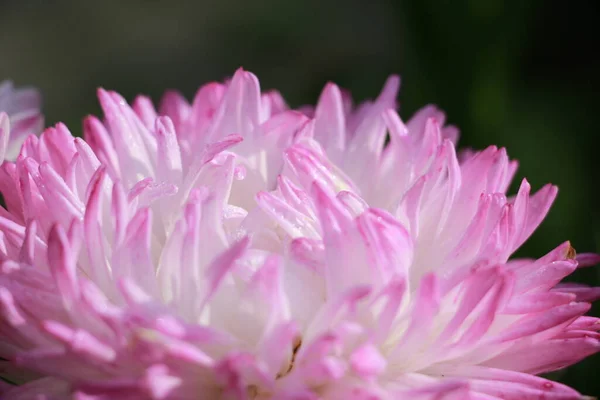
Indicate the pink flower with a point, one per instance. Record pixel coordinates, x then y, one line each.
19 115
236 249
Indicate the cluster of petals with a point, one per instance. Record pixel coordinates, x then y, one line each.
234 248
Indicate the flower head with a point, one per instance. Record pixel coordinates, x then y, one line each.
19 115
233 248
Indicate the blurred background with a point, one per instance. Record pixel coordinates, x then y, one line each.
523 75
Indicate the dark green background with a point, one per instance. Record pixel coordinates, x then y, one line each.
519 74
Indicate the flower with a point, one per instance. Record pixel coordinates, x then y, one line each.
19 115
233 248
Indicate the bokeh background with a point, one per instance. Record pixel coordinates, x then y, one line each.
520 74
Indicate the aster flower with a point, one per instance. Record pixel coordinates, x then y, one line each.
233 248
19 115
